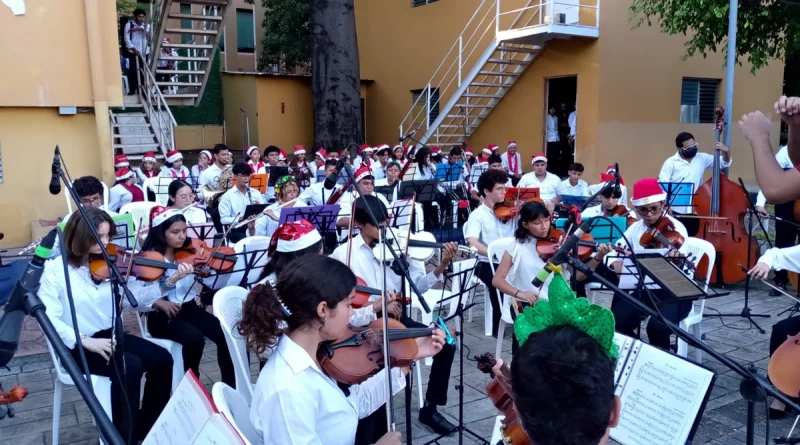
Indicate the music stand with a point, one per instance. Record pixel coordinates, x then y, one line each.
670 278
386 190
204 232
447 172
523 194
275 173
476 171
573 200
322 217
401 214
425 190
321 175
259 182
409 175
603 230
126 231
679 194
162 190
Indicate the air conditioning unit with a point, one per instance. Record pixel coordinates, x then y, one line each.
559 18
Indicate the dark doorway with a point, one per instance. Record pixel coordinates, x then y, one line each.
561 94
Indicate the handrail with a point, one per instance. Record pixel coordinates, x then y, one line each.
149 92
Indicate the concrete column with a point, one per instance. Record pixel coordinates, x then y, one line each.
96 64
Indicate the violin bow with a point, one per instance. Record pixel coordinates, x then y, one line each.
350 229
390 424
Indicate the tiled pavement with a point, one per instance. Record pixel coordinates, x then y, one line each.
722 423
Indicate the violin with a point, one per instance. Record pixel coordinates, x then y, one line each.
782 367
548 245
501 394
662 235
198 254
421 246
509 208
337 194
364 292
147 266
355 358
621 210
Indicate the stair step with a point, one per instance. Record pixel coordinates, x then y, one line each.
123 146
180 96
486 84
185 59
139 125
503 61
210 32
179 84
118 115
497 73
482 96
186 45
453 126
206 18
179 72
514 49
138 136
207 2
474 106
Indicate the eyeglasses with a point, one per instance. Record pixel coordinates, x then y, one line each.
189 196
691 147
92 200
648 210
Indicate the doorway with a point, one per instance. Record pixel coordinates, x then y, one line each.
562 95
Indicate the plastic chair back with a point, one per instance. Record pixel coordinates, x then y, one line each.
236 410
228 304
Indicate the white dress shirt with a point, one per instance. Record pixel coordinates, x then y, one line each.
548 188
141 176
552 129
572 120
266 226
525 264
595 211
94 303
194 179
378 170
565 188
185 289
136 36
483 225
182 173
118 196
783 160
594 188
233 202
295 403
505 161
346 203
426 173
384 182
786 258
195 215
210 177
677 169
316 194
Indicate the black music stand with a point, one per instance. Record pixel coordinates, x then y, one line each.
425 190
322 217
671 279
276 173
204 232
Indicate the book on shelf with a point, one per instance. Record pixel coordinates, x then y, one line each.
663 395
191 417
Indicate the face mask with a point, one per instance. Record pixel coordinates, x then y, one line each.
690 151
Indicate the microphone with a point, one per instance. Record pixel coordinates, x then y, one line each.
330 180
55 181
407 135
11 322
562 254
616 176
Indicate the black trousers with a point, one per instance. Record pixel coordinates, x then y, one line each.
133 72
373 427
785 235
140 358
190 328
781 330
628 318
484 273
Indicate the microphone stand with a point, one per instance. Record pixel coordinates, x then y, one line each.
751 382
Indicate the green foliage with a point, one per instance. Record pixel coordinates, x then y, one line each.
210 110
767 29
287 34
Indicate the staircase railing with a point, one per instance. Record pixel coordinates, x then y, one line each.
156 108
480 34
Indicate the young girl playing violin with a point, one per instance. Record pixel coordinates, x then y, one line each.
294 401
176 316
95 313
521 261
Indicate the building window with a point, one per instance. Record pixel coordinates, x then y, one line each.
699 100
415 3
222 41
245 40
185 23
419 104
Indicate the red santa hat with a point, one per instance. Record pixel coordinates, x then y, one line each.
487 150
493 147
469 152
363 172
173 156
321 153
383 147
398 146
435 150
159 214
538 157
208 155
647 191
608 175
123 173
408 149
150 156
293 236
251 149
299 150
282 156
364 148
120 161
512 144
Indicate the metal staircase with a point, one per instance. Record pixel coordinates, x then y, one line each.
498 43
194 37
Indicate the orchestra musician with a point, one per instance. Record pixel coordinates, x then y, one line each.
363 263
235 201
203 161
294 401
366 183
210 176
485 153
90 191
121 161
398 155
573 185
512 161
364 157
546 182
290 241
483 227
94 309
392 179
182 197
380 165
286 191
649 203
175 313
609 176
304 173
254 160
148 169
609 201
125 190
174 168
316 194
319 158
688 166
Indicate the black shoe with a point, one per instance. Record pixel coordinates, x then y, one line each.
431 418
777 414
775 293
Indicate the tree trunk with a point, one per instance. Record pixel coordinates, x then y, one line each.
335 74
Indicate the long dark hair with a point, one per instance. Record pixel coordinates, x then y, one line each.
419 158
279 260
78 237
294 299
174 187
157 241
531 211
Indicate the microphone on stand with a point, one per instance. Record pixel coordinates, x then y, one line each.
330 180
55 181
562 254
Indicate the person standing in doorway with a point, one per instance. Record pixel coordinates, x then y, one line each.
135 44
552 131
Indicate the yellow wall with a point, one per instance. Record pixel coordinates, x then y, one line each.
239 91
45 55
27 152
192 137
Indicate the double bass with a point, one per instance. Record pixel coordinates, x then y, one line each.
724 204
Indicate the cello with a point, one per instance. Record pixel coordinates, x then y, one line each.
724 204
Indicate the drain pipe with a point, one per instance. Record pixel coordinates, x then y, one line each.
99 93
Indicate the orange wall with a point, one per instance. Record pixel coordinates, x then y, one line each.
285 111
239 91
45 55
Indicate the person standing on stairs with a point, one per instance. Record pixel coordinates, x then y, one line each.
135 35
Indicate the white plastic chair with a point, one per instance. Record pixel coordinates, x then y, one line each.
106 196
140 211
236 410
487 328
696 247
175 349
100 385
228 309
159 186
495 250
250 251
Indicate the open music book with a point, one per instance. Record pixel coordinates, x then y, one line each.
191 417
663 395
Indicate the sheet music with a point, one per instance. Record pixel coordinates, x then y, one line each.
183 418
661 397
218 431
